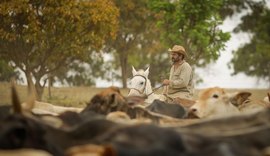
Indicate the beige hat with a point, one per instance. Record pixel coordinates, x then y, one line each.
178 49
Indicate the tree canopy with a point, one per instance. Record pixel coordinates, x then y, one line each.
40 36
134 29
253 57
7 72
195 25
51 39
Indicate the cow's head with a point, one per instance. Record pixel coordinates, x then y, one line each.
213 102
107 101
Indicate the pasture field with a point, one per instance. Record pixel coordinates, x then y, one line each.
79 96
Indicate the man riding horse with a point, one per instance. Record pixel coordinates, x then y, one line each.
180 83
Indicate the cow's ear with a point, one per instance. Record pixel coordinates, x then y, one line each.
113 100
134 72
96 100
239 98
146 72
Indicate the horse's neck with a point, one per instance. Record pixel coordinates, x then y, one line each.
152 96
148 87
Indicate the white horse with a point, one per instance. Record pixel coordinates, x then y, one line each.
140 85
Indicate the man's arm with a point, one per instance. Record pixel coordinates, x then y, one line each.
183 79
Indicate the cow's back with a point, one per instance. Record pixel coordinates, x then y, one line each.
169 109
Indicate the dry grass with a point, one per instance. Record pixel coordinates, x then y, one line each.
79 96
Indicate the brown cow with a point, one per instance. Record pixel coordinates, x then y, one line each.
111 100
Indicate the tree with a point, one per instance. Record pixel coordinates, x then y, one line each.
79 73
253 57
232 7
135 19
152 54
165 23
40 37
193 24
7 72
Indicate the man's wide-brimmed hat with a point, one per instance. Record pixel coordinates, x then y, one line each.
178 49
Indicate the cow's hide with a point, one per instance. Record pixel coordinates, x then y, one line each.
173 110
111 100
5 110
107 101
246 135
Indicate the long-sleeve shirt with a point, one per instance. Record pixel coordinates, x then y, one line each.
181 79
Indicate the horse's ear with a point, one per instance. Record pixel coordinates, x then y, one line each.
134 72
146 72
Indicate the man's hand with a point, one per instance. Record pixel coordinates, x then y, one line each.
166 82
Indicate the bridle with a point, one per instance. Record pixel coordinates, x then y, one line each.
143 92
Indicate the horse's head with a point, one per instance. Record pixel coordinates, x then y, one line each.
139 85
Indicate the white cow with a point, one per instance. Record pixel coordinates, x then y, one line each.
215 102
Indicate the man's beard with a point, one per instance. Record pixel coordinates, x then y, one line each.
174 60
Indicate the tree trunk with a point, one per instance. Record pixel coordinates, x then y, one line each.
30 83
123 64
49 87
39 90
36 88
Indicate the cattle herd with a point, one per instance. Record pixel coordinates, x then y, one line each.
216 124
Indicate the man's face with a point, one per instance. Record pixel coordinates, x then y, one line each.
175 57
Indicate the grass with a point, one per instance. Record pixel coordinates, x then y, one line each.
79 96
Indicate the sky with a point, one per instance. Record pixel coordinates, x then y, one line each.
218 74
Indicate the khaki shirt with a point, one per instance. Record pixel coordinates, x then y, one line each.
181 81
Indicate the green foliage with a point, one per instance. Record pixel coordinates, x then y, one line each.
253 57
135 33
7 72
231 7
80 73
193 24
48 39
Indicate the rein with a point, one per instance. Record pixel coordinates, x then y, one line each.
155 89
